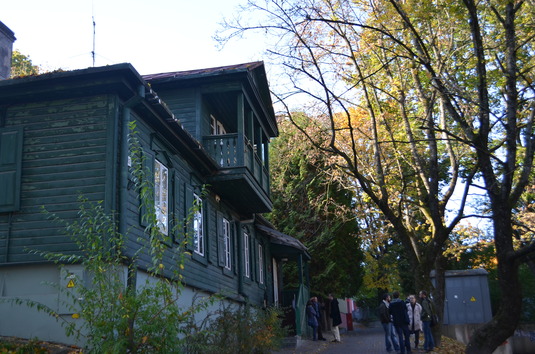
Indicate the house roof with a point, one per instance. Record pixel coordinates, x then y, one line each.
206 72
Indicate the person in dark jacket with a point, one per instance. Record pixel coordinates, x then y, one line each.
336 318
317 307
391 340
312 319
400 318
428 311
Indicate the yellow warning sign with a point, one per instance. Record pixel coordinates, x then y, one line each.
473 299
70 284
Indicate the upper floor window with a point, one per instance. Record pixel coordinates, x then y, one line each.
227 243
246 255
161 194
216 126
261 264
198 230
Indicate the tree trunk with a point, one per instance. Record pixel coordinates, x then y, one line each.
494 333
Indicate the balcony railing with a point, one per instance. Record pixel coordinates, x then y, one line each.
225 150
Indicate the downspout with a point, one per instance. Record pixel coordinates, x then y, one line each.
124 172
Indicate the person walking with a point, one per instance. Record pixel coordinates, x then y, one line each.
400 318
312 319
428 311
391 341
318 309
336 318
415 322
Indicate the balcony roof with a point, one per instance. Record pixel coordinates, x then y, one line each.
252 76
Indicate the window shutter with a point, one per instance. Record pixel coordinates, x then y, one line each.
188 217
10 168
148 173
206 232
220 240
234 244
178 212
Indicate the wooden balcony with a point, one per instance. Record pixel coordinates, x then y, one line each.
242 179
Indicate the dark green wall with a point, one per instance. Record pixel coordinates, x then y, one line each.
64 156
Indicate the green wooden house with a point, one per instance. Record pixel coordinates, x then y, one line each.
65 134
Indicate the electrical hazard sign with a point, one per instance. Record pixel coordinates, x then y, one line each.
473 299
70 284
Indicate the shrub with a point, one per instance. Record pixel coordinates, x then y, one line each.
238 329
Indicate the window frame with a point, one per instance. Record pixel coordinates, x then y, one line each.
216 127
162 223
198 226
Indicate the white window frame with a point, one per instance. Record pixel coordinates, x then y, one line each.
198 226
216 126
261 263
227 243
246 255
161 196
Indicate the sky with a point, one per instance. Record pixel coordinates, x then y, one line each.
153 35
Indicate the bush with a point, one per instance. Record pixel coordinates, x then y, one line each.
238 329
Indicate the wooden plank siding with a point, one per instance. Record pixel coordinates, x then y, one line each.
64 146
200 272
183 103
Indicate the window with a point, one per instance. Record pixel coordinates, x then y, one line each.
161 194
198 231
216 126
261 264
246 255
227 243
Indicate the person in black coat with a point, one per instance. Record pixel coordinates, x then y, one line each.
336 318
317 307
400 318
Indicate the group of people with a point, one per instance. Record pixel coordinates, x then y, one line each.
315 317
401 318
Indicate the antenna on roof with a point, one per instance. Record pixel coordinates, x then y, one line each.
93 52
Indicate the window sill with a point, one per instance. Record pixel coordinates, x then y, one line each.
228 272
198 258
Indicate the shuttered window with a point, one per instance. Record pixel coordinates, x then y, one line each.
10 168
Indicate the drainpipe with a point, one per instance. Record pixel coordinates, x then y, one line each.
124 173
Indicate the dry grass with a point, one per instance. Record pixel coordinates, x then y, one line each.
450 346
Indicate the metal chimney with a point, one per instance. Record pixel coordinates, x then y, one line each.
7 37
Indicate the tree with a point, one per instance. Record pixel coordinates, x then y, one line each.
312 204
21 65
437 93
384 127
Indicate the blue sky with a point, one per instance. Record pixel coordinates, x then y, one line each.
154 35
